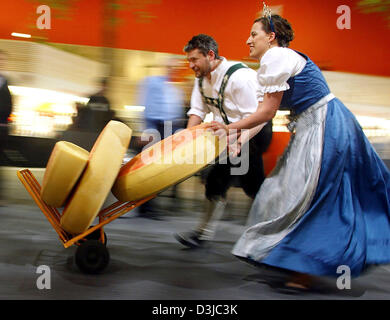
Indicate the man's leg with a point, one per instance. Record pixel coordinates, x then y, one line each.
253 179
210 217
217 184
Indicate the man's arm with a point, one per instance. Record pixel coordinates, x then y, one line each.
194 120
198 109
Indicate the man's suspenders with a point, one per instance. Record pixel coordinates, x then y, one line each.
218 102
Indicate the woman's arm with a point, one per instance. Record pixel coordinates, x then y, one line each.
235 141
265 112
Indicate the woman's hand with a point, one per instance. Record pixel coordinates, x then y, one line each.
233 141
219 129
222 130
218 126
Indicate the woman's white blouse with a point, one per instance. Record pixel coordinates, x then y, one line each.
276 67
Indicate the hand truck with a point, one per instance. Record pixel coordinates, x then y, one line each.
92 255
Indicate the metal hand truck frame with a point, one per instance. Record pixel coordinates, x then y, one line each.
92 255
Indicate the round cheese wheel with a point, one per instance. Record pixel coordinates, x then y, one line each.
167 162
65 166
104 163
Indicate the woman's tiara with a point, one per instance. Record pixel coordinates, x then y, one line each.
267 13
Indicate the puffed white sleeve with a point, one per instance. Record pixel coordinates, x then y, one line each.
276 67
244 88
197 107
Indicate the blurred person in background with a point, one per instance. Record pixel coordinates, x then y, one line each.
5 111
99 101
98 107
91 118
237 101
163 115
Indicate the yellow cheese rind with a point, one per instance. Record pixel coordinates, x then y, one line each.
165 170
65 166
104 164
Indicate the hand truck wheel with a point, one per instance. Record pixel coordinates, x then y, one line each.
96 236
92 257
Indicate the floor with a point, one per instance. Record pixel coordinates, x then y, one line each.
146 262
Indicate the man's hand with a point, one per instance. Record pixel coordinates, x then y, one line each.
193 121
234 149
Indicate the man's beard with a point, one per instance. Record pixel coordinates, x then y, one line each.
204 72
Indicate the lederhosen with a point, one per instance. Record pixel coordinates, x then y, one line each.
218 177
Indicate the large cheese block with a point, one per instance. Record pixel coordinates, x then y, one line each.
167 162
65 166
104 163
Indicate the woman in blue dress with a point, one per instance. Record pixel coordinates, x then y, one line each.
327 202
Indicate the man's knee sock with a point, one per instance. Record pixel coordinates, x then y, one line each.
211 217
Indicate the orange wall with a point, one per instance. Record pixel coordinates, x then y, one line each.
362 49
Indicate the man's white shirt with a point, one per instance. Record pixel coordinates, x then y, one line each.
240 99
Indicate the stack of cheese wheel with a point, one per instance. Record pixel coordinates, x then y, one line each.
65 166
167 162
104 163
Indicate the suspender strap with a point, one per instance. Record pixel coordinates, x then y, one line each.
218 102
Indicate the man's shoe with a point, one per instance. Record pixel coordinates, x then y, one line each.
190 239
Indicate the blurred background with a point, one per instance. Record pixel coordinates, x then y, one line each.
56 62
